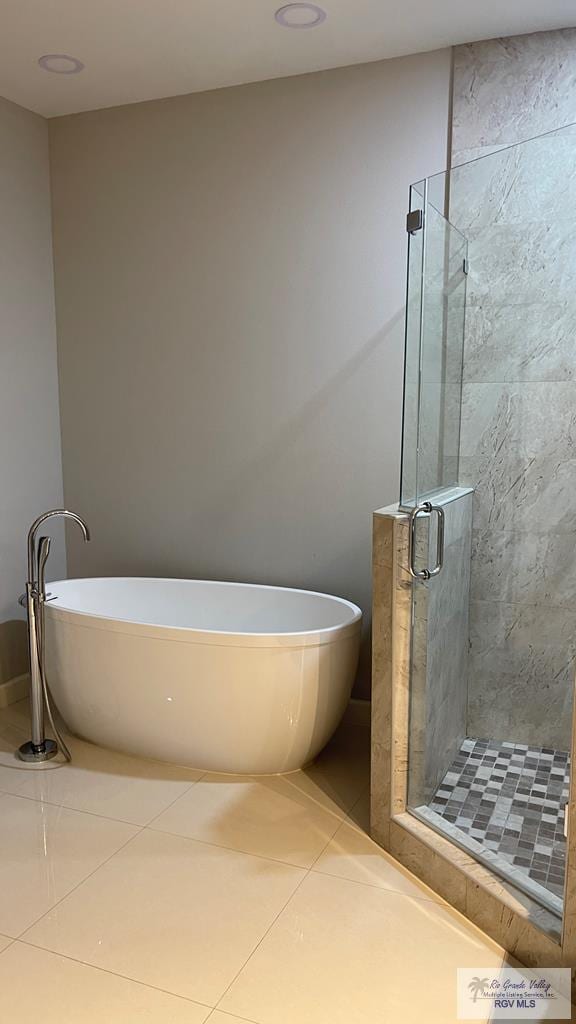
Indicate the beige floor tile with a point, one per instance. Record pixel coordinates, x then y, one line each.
99 781
267 815
343 952
171 912
16 715
341 773
4 941
14 731
104 782
359 814
37 986
352 854
45 852
226 1018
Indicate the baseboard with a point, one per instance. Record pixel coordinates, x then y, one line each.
14 690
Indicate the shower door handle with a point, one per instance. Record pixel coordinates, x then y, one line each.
427 508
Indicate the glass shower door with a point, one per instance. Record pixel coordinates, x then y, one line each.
440 509
490 438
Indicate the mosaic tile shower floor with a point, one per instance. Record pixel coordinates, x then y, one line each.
510 798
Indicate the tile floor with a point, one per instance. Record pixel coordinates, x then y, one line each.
510 798
136 892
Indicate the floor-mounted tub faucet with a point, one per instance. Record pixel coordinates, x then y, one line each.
39 748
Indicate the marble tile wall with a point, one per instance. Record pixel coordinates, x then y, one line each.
518 438
512 919
442 354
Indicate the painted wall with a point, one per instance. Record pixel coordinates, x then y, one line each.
230 279
518 446
30 462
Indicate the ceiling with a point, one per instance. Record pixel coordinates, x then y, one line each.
137 50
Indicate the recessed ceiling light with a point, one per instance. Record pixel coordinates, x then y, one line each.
300 16
60 64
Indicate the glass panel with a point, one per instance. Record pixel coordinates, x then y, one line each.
442 340
408 487
435 309
492 676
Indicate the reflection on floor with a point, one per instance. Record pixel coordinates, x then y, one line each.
510 798
134 891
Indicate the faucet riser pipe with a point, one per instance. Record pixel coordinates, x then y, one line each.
39 748
36 698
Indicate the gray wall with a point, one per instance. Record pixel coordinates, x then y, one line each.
230 276
30 463
518 209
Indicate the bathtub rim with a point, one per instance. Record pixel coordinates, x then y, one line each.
210 637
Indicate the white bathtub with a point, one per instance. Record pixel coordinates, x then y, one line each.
223 677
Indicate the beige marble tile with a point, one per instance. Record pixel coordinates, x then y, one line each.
272 816
14 731
359 814
45 852
424 859
380 794
37 985
4 942
384 583
16 714
382 636
172 913
522 937
341 773
111 784
383 540
401 664
344 952
510 919
354 855
218 1017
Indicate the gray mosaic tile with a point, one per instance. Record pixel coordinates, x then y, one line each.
510 798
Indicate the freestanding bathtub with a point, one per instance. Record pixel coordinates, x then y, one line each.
225 677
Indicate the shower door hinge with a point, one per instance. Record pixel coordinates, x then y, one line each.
465 265
414 221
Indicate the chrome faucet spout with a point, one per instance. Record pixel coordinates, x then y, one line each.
39 748
64 513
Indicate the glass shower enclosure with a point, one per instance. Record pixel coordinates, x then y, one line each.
489 483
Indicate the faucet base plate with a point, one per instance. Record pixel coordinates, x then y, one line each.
29 752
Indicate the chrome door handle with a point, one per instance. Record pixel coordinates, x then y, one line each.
439 540
427 508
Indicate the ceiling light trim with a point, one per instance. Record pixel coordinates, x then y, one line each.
318 15
48 62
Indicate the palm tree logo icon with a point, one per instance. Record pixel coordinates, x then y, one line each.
478 986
